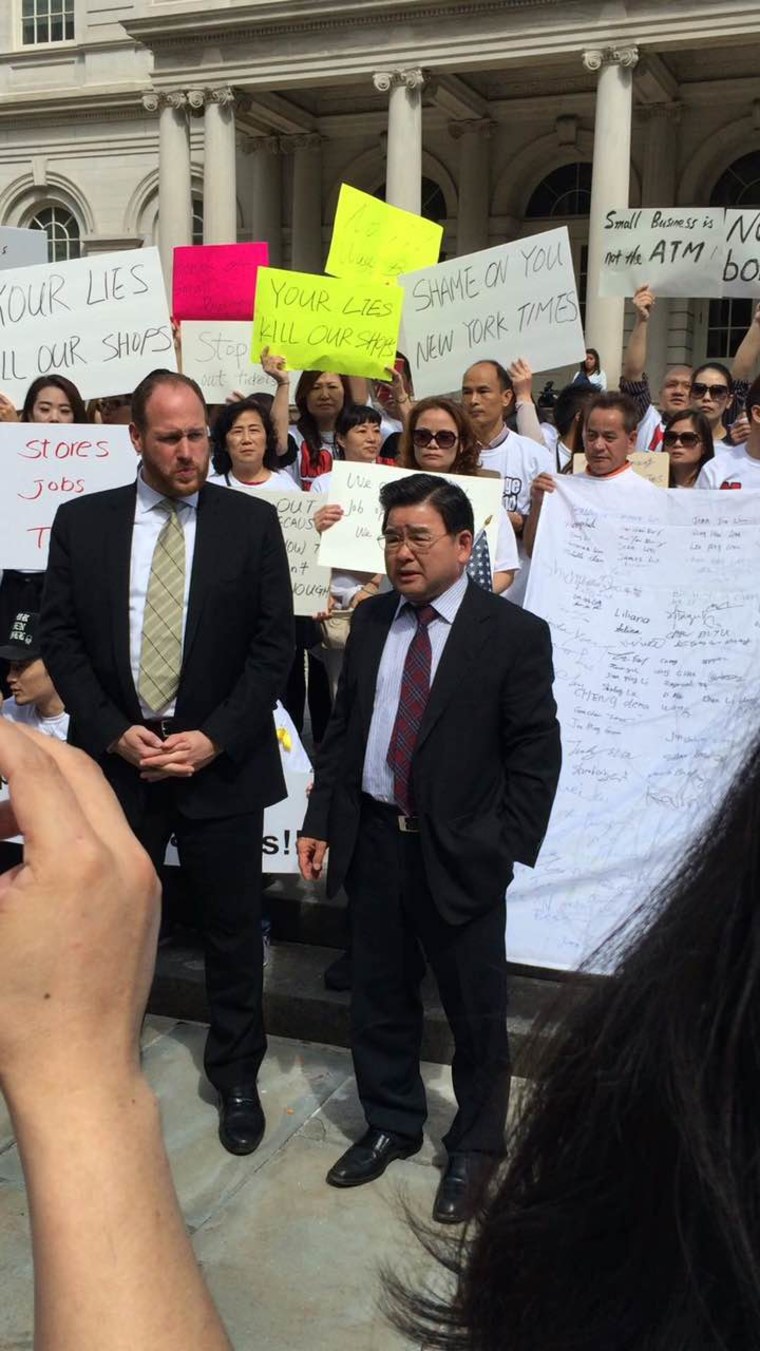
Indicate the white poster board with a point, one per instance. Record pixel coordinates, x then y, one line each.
310 581
653 608
677 251
44 464
282 823
217 354
352 543
102 321
741 271
22 248
515 300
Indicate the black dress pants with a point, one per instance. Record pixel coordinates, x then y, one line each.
395 927
221 864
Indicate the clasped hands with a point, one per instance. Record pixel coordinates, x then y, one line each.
179 756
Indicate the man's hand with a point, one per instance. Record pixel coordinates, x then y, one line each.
521 376
517 521
542 483
326 516
79 922
643 303
135 743
739 430
178 757
7 409
311 857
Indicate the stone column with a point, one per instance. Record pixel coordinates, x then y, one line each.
659 189
609 188
219 170
175 210
403 175
474 182
306 250
267 194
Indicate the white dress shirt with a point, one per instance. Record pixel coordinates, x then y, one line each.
377 778
148 526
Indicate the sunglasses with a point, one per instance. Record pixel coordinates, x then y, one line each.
715 391
423 437
688 439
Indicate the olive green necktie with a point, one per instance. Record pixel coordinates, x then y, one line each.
161 648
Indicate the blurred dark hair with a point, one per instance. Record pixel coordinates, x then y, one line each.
226 420
502 375
570 402
714 366
753 397
628 1215
307 423
65 386
452 504
468 454
703 430
355 415
148 386
611 400
591 351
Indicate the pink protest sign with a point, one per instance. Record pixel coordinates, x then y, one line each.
216 281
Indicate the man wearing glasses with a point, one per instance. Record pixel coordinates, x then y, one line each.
437 773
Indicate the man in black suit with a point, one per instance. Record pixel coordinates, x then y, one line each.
167 628
437 772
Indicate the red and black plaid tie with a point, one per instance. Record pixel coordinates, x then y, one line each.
415 688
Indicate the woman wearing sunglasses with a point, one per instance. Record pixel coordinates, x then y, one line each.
688 439
440 439
711 392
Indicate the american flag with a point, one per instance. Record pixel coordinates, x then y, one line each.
479 566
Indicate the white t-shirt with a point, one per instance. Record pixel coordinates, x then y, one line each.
518 460
731 468
294 469
650 425
278 482
29 716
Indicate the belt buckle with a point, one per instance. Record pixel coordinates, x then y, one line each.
409 825
164 728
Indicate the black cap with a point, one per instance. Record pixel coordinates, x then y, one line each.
23 640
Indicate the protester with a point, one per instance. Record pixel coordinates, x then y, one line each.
627 1214
440 439
116 410
320 396
394 398
688 440
113 1263
167 629
590 369
569 411
738 466
487 397
244 449
711 390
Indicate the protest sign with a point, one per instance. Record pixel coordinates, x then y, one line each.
310 582
326 323
741 270
651 598
216 281
372 240
282 823
653 465
44 464
102 321
678 251
217 354
515 300
22 248
353 541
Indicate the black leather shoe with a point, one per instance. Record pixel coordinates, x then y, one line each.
462 1187
369 1157
241 1119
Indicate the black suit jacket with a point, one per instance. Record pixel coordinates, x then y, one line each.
486 763
237 652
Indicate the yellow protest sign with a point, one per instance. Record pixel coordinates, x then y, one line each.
371 239
327 323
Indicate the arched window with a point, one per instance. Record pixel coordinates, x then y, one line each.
729 319
566 191
62 229
432 198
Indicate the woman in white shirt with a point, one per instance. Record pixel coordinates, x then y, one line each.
591 369
244 451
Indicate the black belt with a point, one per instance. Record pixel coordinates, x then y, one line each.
408 825
162 727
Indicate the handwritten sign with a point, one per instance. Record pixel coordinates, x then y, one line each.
102 321
310 582
652 603
653 465
44 464
741 270
515 300
678 251
217 354
371 239
282 822
326 323
22 248
352 542
216 281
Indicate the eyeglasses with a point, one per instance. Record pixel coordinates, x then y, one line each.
688 439
423 437
715 391
420 541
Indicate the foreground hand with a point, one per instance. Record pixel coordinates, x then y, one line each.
311 857
643 303
327 516
7 409
521 375
178 757
79 921
739 430
543 483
